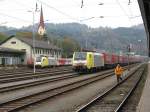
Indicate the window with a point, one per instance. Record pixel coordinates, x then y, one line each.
38 59
80 56
35 51
23 49
13 42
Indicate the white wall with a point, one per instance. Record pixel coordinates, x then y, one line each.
46 52
19 45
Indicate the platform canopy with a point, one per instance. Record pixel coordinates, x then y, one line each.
145 12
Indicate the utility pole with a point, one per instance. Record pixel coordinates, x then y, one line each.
33 35
33 38
140 47
128 53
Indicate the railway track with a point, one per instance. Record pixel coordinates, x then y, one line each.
22 102
10 87
6 88
26 76
114 98
30 71
16 104
18 74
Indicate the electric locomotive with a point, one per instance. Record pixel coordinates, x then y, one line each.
91 61
87 61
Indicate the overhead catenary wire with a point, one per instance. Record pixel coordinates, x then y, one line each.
129 18
122 8
135 16
91 18
17 18
87 19
130 10
124 11
5 15
78 4
57 10
67 15
22 4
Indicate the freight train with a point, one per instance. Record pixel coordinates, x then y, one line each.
92 61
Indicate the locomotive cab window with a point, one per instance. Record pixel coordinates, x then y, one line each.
80 56
38 59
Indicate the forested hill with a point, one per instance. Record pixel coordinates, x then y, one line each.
100 38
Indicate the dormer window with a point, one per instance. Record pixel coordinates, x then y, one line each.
13 42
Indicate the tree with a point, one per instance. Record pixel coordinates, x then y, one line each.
69 45
2 37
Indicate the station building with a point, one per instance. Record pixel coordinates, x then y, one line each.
20 50
25 47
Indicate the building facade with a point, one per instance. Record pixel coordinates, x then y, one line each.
42 48
11 57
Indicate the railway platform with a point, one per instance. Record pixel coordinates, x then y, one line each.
144 103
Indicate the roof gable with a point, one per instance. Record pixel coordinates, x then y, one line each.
38 43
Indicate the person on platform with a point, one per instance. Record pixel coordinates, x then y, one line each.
118 72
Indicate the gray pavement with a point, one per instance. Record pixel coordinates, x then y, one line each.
144 104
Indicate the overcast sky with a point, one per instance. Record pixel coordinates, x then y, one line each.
116 13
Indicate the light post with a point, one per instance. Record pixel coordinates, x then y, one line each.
128 50
33 34
33 37
140 41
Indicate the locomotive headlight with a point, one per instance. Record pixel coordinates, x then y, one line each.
80 63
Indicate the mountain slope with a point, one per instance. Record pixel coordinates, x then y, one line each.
100 38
